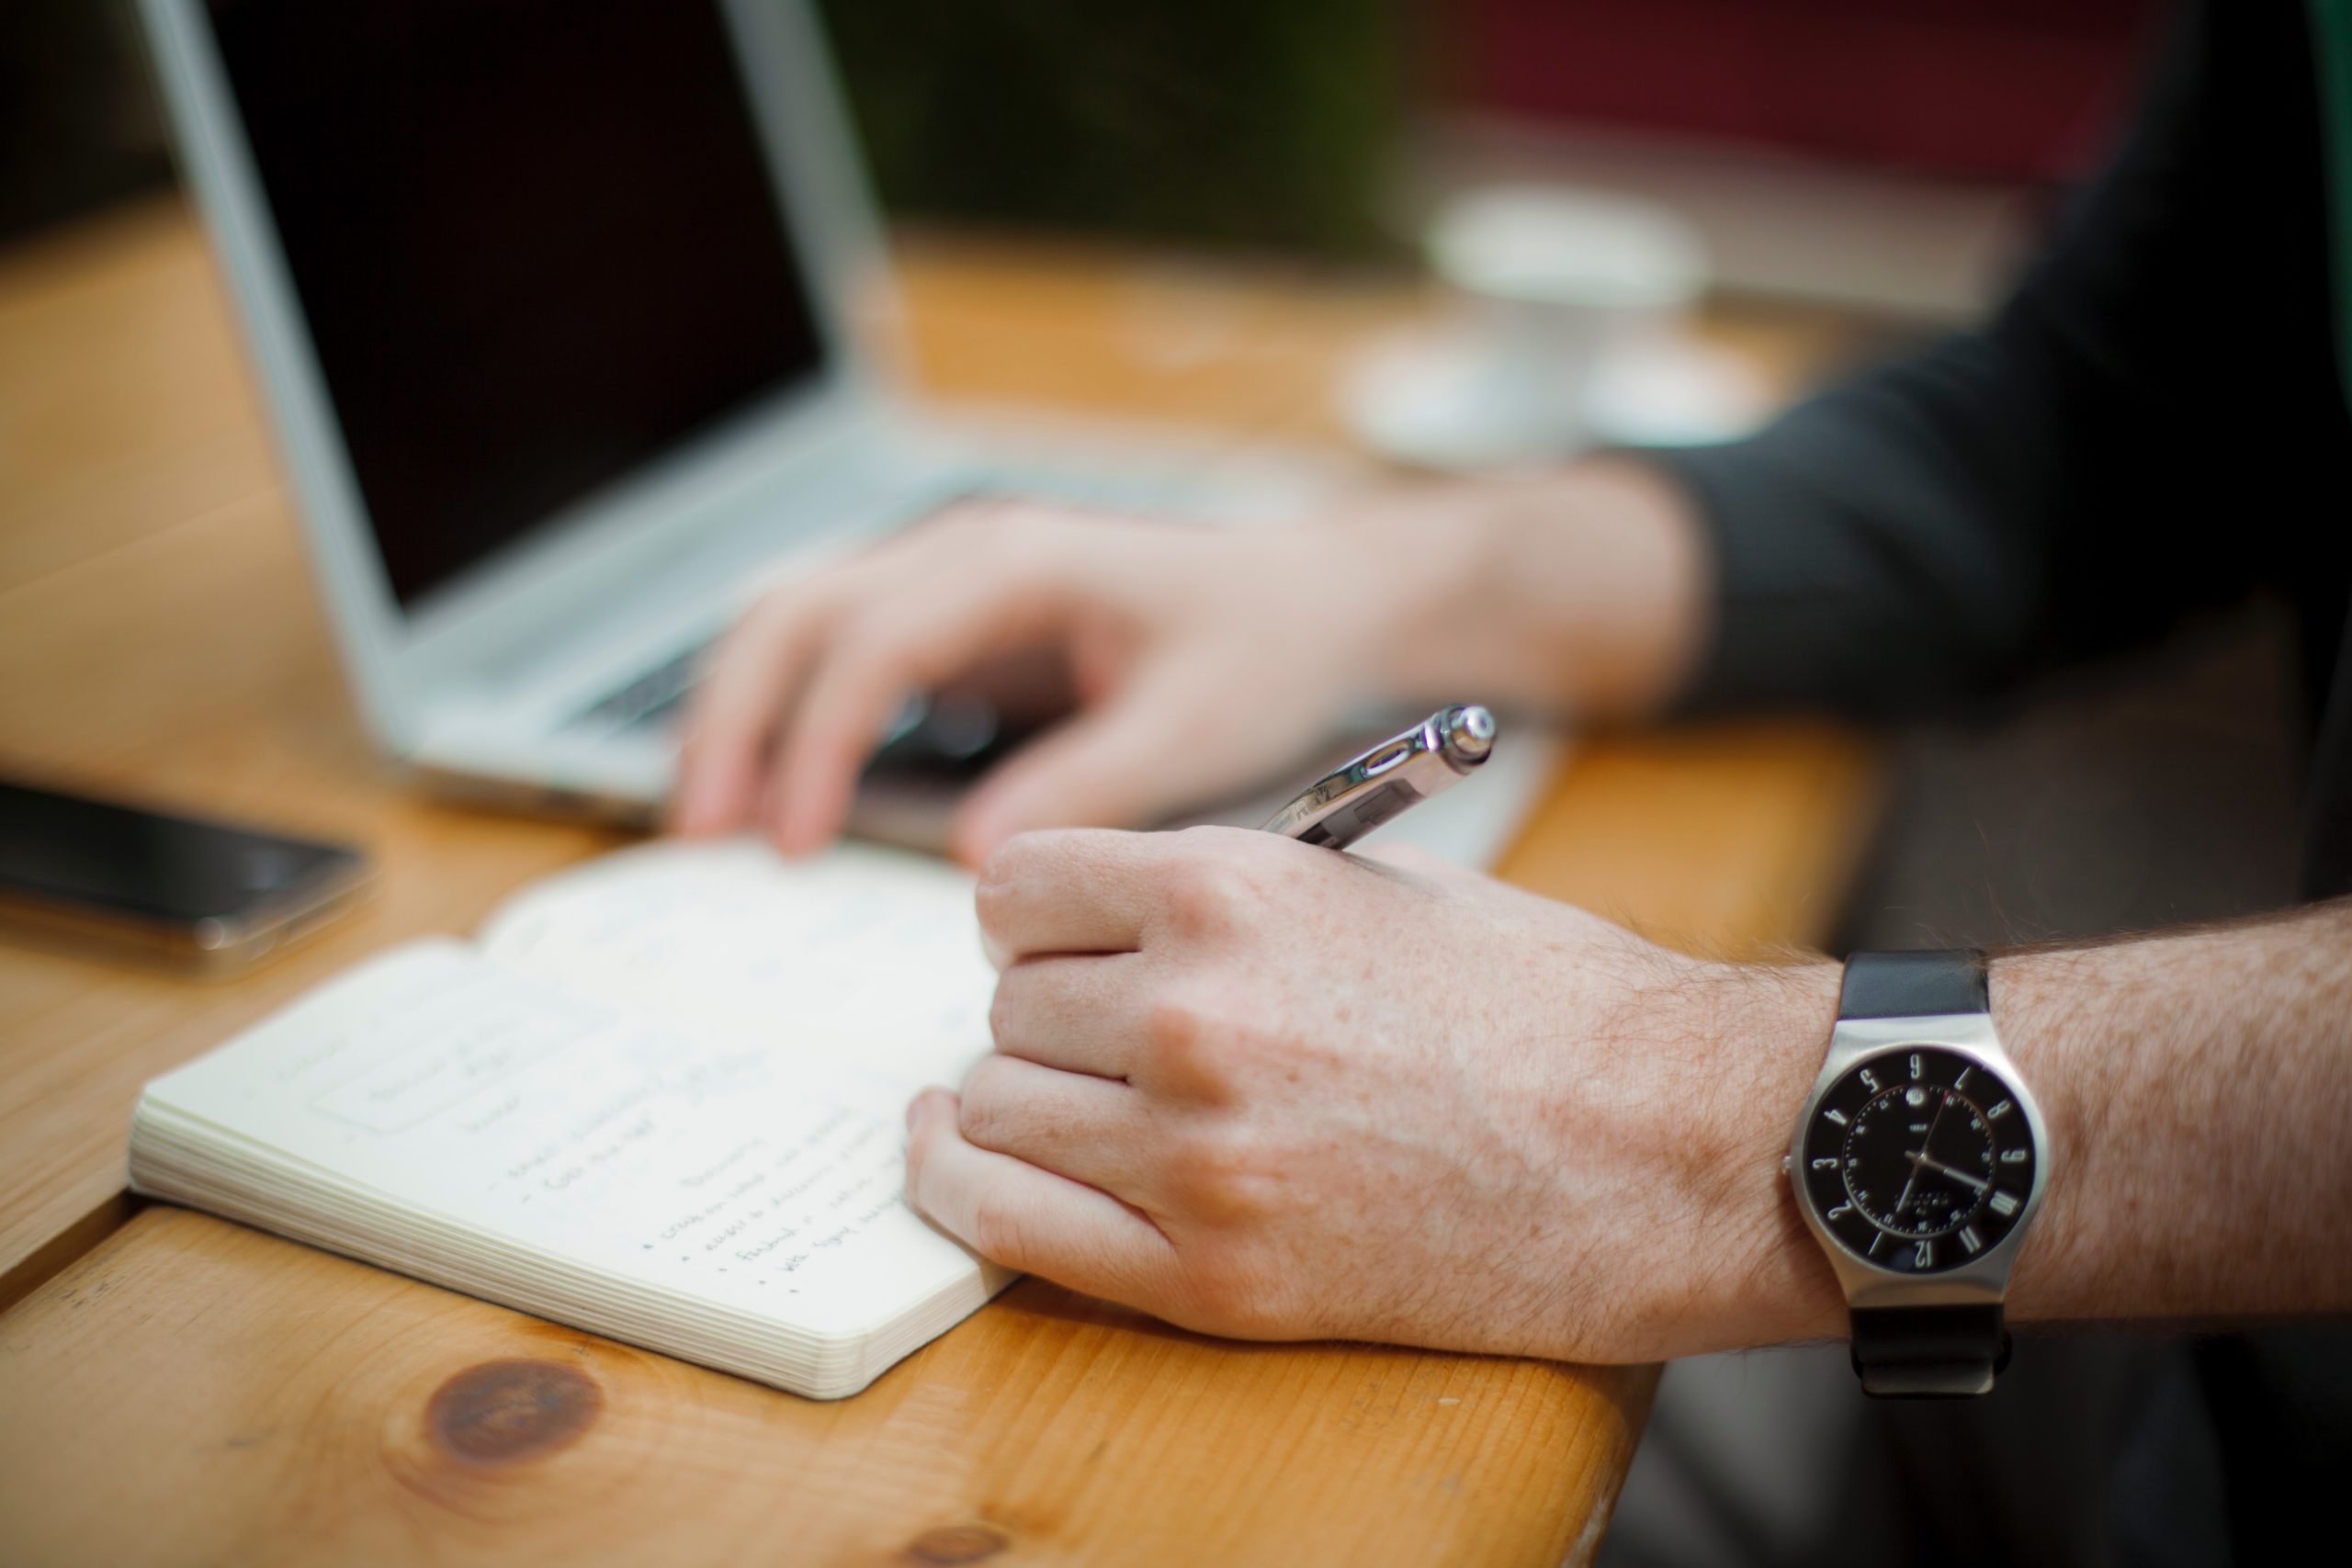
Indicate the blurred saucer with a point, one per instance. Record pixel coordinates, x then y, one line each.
1444 398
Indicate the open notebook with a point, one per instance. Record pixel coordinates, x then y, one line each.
661 1098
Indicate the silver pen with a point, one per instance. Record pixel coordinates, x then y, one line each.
1344 806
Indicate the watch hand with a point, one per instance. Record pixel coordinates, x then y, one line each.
1978 1182
1897 1210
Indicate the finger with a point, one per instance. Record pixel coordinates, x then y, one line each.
1089 1129
1068 890
736 706
1128 764
1077 1013
1026 1218
862 676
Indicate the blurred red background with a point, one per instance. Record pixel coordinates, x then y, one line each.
2004 89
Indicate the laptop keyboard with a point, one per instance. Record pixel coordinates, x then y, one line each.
649 702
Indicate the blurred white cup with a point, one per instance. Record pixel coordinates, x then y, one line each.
1553 287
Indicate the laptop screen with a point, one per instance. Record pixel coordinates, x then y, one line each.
535 242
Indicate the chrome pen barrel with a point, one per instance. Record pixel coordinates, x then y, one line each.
1380 783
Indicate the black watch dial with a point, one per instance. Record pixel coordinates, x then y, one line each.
1918 1159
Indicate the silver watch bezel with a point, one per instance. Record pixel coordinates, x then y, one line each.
1858 1041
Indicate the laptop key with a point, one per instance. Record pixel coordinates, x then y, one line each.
652 698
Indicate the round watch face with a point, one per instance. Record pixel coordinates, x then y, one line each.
1918 1159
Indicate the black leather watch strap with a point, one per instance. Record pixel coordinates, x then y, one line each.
1931 983
1929 1352
1923 1352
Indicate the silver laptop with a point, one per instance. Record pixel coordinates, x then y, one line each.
549 300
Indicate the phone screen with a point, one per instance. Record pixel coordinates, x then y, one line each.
90 854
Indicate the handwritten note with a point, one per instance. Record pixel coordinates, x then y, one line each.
695 1161
867 961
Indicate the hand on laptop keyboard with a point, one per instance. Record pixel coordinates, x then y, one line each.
1202 660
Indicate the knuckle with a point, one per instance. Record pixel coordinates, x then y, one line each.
1037 858
1184 1038
1000 1230
986 1101
1206 895
1221 1174
1173 1024
992 891
1006 862
1214 841
1001 878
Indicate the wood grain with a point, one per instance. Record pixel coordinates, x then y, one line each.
184 1390
288 1415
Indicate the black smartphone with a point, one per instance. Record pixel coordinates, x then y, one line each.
204 894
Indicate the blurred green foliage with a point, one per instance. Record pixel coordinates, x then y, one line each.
1240 122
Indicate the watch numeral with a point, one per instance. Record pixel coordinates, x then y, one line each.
2016 1157
1841 1211
1914 1064
1837 1116
1963 1077
1868 1082
1999 1110
1825 1162
1923 1254
1970 1240
2003 1204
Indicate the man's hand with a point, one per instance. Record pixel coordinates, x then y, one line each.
1271 1091
1204 660
1267 1091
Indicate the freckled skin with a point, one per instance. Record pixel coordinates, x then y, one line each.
1535 1132
1279 1096
1478 1134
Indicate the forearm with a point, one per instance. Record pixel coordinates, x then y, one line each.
2200 1100
1586 592
2197 1089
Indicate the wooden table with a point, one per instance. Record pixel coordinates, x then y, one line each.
177 1389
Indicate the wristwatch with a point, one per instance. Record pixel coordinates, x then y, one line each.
1919 1164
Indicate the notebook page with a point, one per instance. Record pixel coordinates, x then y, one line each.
865 960
663 1157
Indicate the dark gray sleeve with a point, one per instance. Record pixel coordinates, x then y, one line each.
2117 448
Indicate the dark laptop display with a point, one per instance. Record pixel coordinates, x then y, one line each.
535 242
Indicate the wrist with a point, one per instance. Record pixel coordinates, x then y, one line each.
1758 1277
1584 592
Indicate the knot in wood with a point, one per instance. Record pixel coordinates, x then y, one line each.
507 1410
